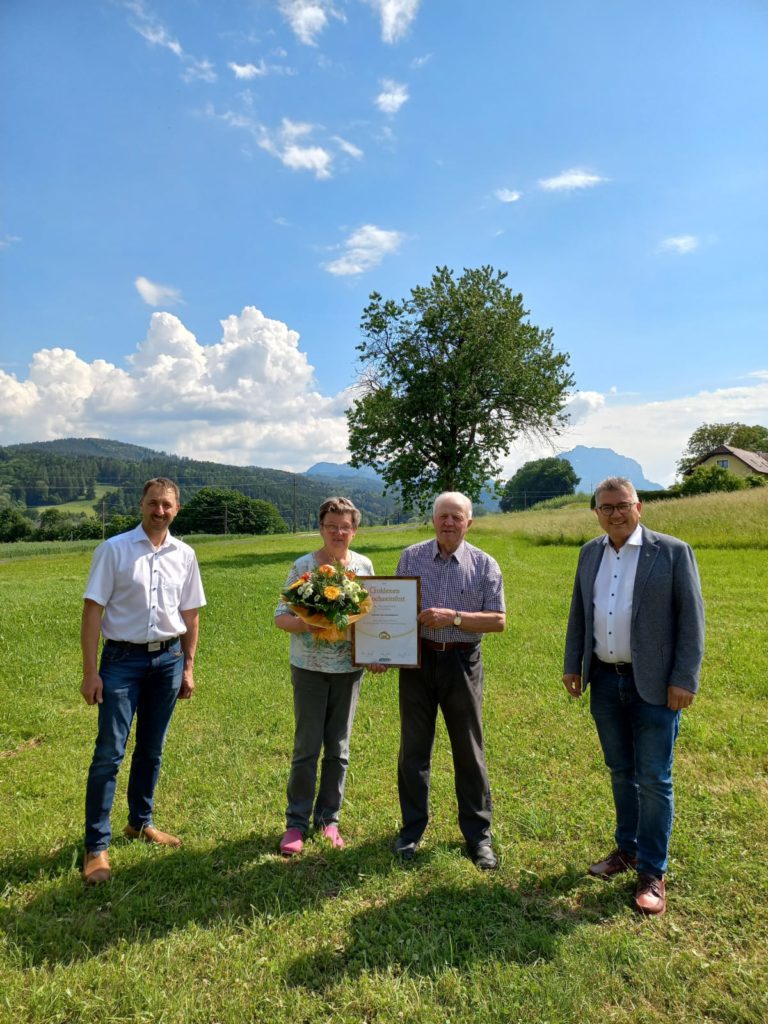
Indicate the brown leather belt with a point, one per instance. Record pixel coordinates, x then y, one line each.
435 645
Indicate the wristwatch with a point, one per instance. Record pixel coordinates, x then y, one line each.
457 619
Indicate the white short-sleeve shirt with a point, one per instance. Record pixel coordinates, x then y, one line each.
144 589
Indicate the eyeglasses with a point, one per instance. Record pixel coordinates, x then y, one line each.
337 529
623 506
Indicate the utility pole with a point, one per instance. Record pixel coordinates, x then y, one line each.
103 519
294 503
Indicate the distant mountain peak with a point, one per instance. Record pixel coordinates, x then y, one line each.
595 464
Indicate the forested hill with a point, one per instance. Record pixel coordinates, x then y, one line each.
54 472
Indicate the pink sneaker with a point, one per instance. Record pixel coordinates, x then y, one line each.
332 832
292 842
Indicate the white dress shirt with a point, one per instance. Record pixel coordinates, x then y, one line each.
612 598
144 589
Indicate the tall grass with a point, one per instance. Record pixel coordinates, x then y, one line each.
737 520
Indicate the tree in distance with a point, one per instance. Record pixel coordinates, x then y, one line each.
450 377
218 510
537 481
709 436
705 479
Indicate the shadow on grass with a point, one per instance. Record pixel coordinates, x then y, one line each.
62 921
425 933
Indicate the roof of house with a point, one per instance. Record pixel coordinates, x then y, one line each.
757 461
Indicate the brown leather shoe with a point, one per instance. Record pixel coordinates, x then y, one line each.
150 834
96 867
650 895
613 864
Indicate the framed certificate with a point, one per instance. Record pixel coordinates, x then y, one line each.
389 633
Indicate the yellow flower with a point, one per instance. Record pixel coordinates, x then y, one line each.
331 593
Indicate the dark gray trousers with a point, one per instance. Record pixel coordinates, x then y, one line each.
452 681
324 706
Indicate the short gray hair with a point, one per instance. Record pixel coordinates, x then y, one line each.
616 483
453 496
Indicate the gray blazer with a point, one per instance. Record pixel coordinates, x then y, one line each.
667 633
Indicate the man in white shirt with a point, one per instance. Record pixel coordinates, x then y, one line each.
144 594
636 634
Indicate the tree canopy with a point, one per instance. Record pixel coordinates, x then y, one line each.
218 510
451 376
537 481
711 435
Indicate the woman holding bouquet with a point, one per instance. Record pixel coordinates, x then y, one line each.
325 689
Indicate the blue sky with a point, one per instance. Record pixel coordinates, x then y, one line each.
198 198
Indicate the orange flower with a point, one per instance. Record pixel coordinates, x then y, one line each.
331 593
326 570
298 583
349 574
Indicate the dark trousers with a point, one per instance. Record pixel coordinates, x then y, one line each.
452 681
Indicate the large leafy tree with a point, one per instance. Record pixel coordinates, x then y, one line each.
218 510
537 481
451 376
711 435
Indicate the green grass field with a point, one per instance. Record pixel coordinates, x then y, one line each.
224 930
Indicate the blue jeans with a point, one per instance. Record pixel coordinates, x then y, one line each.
638 741
136 683
324 705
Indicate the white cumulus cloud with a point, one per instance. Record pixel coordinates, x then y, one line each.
365 249
681 244
248 71
396 17
157 294
392 96
283 143
568 181
308 18
507 195
655 433
232 401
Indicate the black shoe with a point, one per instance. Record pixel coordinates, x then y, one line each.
484 858
403 849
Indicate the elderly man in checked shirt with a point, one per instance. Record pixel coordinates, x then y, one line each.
462 597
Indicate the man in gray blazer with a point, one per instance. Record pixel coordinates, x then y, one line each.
636 633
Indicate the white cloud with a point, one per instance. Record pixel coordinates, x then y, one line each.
419 62
233 401
654 433
396 17
308 18
282 143
507 195
8 240
248 71
348 147
157 294
365 249
567 181
149 27
392 96
681 244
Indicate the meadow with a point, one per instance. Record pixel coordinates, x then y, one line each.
225 930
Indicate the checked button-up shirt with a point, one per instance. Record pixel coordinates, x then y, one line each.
469 580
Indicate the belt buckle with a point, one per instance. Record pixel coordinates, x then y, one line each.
155 645
439 646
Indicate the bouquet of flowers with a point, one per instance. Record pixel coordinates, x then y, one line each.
329 597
